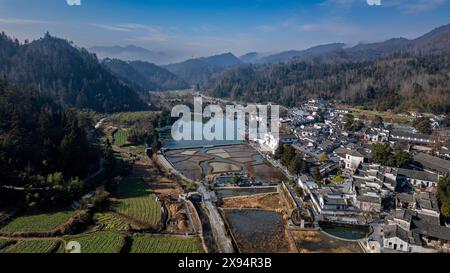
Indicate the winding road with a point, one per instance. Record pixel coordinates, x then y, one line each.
223 241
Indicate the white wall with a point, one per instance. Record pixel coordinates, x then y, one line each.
391 242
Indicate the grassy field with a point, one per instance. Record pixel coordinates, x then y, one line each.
130 118
138 150
34 246
99 242
386 116
159 244
120 137
111 222
137 202
37 222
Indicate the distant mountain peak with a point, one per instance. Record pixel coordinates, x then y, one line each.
131 53
200 70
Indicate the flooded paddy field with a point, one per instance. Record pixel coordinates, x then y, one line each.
257 231
196 163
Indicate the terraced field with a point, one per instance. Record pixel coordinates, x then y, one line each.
34 246
120 137
4 243
137 201
164 244
37 222
99 242
111 222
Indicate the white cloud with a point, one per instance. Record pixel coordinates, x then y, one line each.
374 2
266 28
139 32
73 2
112 27
18 21
333 26
407 6
414 6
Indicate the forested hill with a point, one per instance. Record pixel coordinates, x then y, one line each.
147 76
71 76
42 146
397 74
200 70
403 82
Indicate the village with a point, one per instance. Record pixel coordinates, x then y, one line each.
346 181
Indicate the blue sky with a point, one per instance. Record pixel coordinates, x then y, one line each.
204 27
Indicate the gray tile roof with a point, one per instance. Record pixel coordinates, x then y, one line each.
420 175
435 231
369 199
398 133
392 231
433 163
405 198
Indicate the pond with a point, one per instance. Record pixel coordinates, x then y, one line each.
346 232
222 180
258 159
257 231
229 127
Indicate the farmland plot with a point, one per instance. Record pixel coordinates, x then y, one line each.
37 222
34 246
137 201
100 242
4 243
111 222
120 137
165 244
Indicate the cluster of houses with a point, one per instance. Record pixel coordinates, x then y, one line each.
400 202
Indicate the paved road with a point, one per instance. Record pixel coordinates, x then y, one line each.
223 242
100 123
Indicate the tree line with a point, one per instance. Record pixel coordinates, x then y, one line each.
407 81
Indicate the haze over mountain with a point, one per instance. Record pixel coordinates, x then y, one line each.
252 57
71 76
257 58
147 76
433 42
200 70
133 53
396 74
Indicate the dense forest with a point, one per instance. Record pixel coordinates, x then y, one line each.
403 81
397 74
45 152
71 76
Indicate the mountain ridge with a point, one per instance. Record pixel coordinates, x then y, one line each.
71 76
148 76
198 71
131 53
395 74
